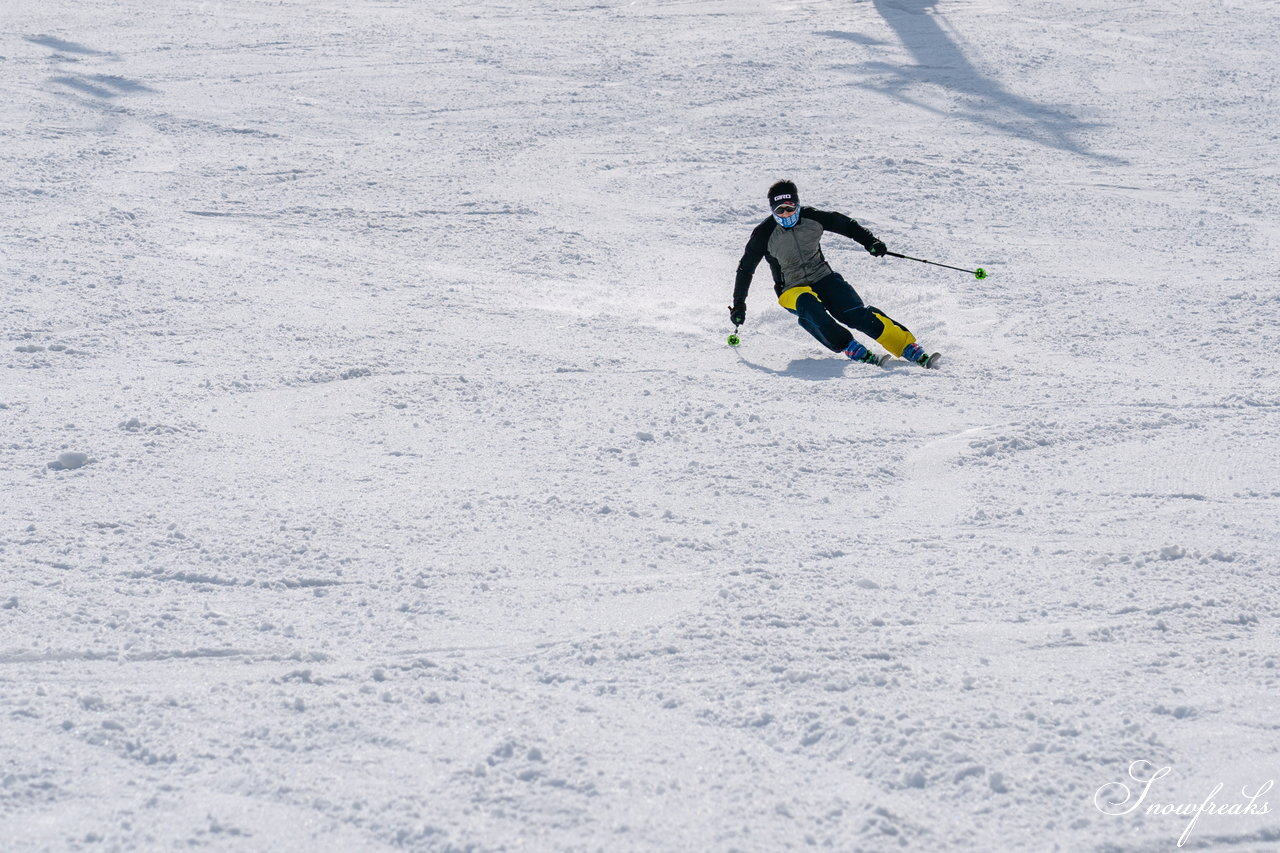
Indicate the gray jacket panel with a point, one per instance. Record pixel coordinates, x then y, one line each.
799 253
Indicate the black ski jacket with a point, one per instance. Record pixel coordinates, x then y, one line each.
794 254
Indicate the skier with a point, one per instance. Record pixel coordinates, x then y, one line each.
807 286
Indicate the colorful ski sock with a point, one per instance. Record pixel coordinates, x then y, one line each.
857 352
915 352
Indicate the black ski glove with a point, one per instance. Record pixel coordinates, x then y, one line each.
738 314
877 249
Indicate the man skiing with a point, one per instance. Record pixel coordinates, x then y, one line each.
789 239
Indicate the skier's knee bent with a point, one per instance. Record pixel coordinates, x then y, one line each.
815 320
872 322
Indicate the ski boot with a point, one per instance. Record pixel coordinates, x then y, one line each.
857 352
914 352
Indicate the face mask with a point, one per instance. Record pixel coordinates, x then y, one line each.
788 221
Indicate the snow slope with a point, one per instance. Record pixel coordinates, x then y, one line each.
376 476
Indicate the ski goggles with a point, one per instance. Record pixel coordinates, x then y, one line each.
785 209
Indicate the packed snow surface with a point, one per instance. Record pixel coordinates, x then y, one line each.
376 475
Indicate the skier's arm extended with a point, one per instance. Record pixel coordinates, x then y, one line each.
843 225
750 260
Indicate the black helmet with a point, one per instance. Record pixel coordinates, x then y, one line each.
783 191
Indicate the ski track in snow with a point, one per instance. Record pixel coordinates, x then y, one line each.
376 476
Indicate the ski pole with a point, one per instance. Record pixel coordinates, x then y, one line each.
979 273
734 340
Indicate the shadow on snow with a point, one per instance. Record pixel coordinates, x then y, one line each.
103 86
65 46
810 369
938 60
